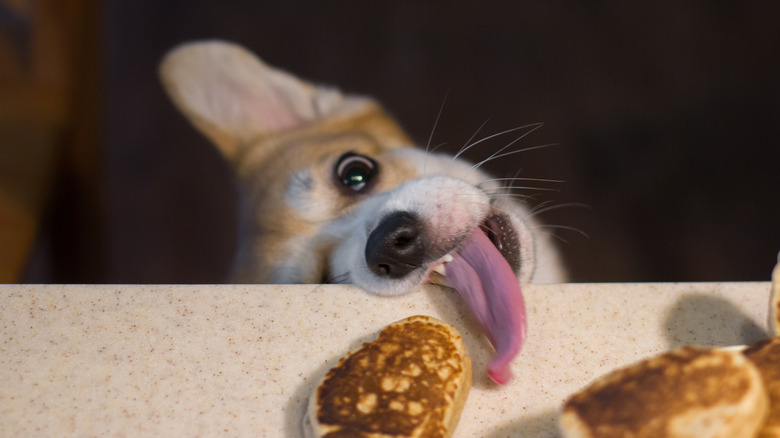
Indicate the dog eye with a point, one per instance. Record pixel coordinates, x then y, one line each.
355 171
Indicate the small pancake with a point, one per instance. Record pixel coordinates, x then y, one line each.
774 301
688 392
765 356
413 380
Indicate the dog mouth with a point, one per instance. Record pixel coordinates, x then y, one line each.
483 270
499 229
477 253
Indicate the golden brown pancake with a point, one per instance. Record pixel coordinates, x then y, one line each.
766 356
688 392
774 302
412 381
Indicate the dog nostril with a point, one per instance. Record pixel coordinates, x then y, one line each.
396 246
403 240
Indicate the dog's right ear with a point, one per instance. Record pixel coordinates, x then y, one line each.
233 97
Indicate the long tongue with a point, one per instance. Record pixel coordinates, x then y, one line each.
490 288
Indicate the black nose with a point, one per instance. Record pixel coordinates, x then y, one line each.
395 247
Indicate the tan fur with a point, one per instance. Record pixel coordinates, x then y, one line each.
283 135
266 170
265 157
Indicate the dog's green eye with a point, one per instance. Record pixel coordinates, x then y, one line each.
355 171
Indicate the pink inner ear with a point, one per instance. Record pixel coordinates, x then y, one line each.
273 117
258 109
231 95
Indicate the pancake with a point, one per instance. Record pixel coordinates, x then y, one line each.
687 392
412 381
774 302
765 356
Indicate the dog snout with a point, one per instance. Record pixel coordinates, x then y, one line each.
396 246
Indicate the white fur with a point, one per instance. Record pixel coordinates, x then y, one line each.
451 207
242 104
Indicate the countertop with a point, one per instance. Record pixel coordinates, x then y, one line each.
240 360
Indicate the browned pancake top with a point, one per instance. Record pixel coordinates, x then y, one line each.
647 396
395 384
766 356
776 322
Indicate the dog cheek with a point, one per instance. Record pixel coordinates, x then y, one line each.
305 200
344 261
526 241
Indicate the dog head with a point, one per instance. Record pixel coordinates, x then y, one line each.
335 190
320 170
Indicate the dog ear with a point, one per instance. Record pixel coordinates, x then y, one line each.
233 97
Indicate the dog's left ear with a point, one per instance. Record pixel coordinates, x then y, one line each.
233 97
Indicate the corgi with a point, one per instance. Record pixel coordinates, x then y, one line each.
335 192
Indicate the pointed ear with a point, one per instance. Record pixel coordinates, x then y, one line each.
233 97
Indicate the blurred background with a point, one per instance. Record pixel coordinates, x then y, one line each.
665 119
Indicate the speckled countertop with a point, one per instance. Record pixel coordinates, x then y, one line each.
240 360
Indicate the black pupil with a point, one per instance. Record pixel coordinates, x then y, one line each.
355 174
355 171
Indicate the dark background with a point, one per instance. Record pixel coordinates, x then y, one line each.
666 118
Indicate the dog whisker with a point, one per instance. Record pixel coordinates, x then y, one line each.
551 234
533 126
505 182
497 195
522 179
436 147
514 187
466 145
492 205
545 207
341 278
565 227
501 210
509 196
512 196
540 206
325 213
436 122
542 146
547 230
433 130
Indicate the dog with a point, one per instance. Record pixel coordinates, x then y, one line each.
335 192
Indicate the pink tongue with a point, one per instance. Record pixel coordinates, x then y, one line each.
490 288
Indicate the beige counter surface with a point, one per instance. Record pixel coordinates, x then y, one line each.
240 360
